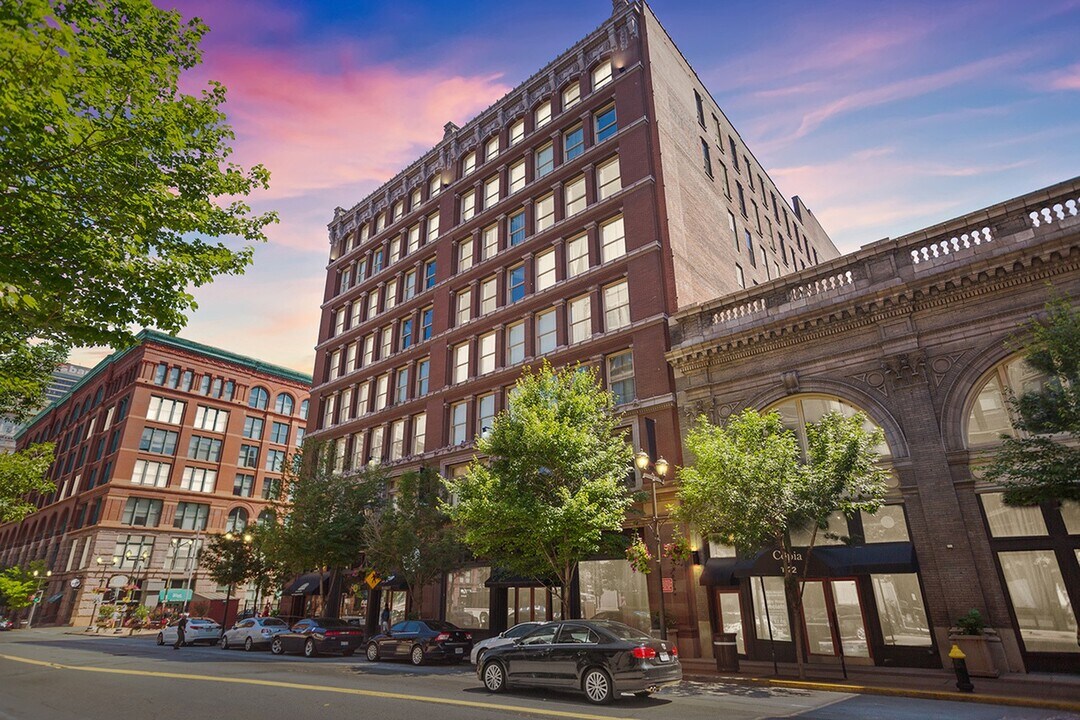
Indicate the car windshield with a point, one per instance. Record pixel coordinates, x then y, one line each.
624 632
273 622
440 625
519 630
200 621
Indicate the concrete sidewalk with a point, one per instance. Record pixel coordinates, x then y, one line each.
1039 690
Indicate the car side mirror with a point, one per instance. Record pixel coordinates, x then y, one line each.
517 641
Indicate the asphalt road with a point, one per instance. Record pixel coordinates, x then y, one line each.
54 676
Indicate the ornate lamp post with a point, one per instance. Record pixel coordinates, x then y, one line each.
642 461
140 559
104 566
40 578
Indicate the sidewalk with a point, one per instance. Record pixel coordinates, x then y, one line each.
1039 690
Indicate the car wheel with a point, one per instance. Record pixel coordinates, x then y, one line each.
372 652
416 657
224 642
597 686
277 647
494 677
309 649
160 639
249 644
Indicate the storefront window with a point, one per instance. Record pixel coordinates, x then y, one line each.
886 525
468 599
1070 513
397 606
610 590
833 534
818 633
989 417
1006 521
773 593
900 610
731 617
1040 601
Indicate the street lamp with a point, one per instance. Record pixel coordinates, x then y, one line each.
245 540
642 461
39 578
141 558
103 565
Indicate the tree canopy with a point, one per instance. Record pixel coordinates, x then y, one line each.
1041 465
18 584
550 485
22 474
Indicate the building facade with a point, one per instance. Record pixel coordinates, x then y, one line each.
913 332
63 377
567 222
157 446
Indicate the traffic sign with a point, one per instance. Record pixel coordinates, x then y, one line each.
174 595
372 580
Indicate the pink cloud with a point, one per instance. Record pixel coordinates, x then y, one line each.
1067 79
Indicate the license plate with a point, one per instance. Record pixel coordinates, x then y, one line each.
460 651
664 657
344 643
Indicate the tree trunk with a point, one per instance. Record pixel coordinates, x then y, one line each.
794 599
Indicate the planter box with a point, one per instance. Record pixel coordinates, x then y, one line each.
980 653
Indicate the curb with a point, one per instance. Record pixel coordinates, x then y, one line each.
1009 700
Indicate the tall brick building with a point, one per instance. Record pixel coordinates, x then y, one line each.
569 221
156 447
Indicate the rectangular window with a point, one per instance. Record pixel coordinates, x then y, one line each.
253 428
429 274
577 256
605 124
900 610
390 294
608 179
491 148
545 212
739 277
462 306
395 250
517 176
423 375
726 178
427 318
616 306
459 425
432 227
706 158
275 460
485 413
401 385
700 108
346 404
204 449
545 270
545 160
574 195
158 441
491 241
249 456
409 287
491 192
465 255
386 342
571 95
486 359
468 206
413 238
573 143
517 132
279 432
199 480
546 338
377 261
773 596
243 485
516 228
580 319
734 153
165 410
461 363
335 364
435 186
213 419
382 391
749 246
515 343
407 338
191 516
468 164
601 75
419 433
515 287
372 304
620 373
397 439
363 403
742 199
542 115
380 222
271 488
142 511
612 240
154 474
355 311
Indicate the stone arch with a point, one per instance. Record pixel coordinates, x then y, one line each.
960 393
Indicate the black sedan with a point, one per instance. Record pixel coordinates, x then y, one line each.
601 658
421 641
318 636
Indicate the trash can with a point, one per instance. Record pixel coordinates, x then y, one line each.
726 652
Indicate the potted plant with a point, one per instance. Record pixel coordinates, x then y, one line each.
975 640
678 550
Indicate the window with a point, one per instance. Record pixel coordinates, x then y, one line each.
390 294
432 227
573 143
580 319
749 247
162 442
129 548
608 179
346 404
259 398
165 410
612 240
517 176
271 489
577 256
620 374
154 474
601 75
491 192
461 363
335 364
545 212
253 428
160 372
616 306
401 385
427 318
517 132
545 270
363 397
468 206
419 433
249 456
727 179
429 274
395 250
275 460
900 610
542 115
198 480
377 261
372 304
574 195
407 338
706 159
408 290
491 148
700 108
386 342
546 339
796 411
989 417
605 124
413 238
380 222
463 306
237 521
515 288
468 164
304 409
516 228
545 160
886 525
191 516
734 153
486 360
204 449
213 419
397 439
423 375
355 310
485 413
739 277
459 413
434 187
465 255
279 432
742 198
764 260
243 485
571 95
515 343
382 389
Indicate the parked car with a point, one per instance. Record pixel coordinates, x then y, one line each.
601 658
506 637
6 624
420 641
318 636
199 629
253 632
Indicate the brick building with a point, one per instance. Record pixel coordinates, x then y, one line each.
157 446
912 332
566 222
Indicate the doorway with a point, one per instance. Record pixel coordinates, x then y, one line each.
729 616
834 621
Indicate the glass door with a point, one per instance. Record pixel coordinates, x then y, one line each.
730 616
832 614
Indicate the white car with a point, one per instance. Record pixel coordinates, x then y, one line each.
199 629
253 632
506 637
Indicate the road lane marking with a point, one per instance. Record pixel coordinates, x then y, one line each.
319 688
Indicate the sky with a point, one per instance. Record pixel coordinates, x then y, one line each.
884 117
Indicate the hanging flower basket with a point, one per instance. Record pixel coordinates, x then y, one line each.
639 557
678 550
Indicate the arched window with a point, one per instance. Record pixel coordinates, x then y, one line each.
989 418
237 521
799 410
303 409
266 516
259 398
284 404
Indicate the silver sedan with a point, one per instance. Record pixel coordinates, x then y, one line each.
252 633
504 638
199 629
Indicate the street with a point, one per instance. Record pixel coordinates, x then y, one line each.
49 674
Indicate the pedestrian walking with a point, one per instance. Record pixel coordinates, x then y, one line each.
180 632
384 619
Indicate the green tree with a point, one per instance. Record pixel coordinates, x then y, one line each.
18 585
750 487
551 487
227 560
1042 465
22 475
413 536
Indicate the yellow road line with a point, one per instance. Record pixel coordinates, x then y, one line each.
319 688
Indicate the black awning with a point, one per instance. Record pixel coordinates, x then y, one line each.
308 585
720 572
500 578
393 582
826 561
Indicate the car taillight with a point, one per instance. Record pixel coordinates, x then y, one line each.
442 637
643 653
468 636
674 651
333 633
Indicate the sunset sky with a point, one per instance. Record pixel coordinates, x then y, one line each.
884 117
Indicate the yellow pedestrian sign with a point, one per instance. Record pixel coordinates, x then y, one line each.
372 579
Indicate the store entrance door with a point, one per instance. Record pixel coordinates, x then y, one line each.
833 619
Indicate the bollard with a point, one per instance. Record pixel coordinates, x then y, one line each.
963 680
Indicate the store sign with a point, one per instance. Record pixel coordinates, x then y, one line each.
174 595
668 585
